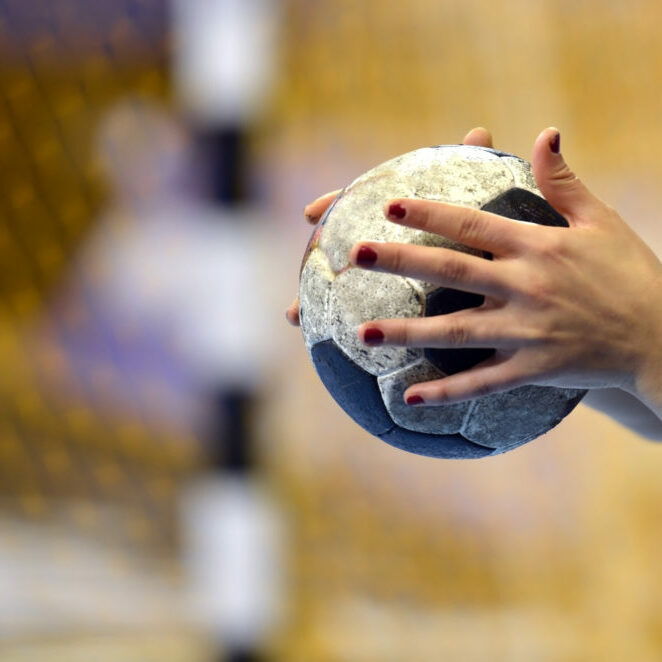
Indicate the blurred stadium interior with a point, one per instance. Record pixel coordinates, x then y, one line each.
549 553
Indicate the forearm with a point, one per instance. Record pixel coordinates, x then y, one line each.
646 387
640 406
627 410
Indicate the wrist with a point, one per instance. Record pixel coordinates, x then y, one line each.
647 379
649 388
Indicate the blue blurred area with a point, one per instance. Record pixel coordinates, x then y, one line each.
81 26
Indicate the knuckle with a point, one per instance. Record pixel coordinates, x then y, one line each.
534 286
453 270
470 228
409 331
537 290
550 245
564 176
532 334
396 259
440 396
482 388
401 333
457 334
423 215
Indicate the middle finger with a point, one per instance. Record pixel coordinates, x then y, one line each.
441 266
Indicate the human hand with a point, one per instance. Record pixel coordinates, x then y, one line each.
313 212
572 307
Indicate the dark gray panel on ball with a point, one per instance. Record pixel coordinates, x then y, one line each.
448 446
522 205
442 302
508 419
355 390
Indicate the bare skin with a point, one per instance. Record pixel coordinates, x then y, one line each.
572 307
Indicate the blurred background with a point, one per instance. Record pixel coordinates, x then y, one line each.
175 483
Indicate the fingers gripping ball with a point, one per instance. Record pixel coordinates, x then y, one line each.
336 297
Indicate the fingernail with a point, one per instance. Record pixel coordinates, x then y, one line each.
366 256
555 143
415 400
310 217
373 336
396 210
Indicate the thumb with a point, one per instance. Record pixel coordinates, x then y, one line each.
558 184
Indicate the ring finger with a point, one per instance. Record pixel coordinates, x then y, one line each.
475 328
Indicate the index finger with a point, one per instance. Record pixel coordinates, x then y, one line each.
479 136
475 228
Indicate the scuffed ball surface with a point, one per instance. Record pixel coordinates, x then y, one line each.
336 298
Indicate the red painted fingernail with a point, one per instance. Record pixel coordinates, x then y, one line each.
373 336
396 210
415 400
555 143
366 256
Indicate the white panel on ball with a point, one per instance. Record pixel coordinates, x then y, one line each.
503 420
461 176
358 296
359 216
316 279
522 173
447 419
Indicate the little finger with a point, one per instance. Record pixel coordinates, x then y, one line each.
493 375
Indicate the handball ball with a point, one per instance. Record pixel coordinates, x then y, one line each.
336 297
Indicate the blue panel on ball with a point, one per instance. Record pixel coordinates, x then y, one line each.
522 205
449 446
354 389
